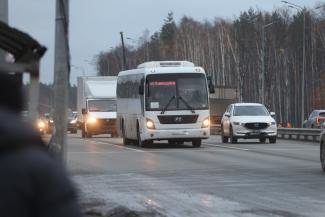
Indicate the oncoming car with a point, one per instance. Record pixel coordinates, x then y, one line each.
248 121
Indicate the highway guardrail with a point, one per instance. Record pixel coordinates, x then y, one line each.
304 134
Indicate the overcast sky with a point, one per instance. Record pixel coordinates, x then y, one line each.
95 24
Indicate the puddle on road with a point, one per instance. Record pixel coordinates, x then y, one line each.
145 194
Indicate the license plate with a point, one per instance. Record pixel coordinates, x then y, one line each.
255 132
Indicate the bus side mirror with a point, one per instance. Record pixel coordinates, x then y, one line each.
141 89
83 111
210 85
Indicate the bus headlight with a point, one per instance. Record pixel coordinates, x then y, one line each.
150 124
91 120
206 123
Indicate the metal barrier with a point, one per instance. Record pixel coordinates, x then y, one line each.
304 134
215 129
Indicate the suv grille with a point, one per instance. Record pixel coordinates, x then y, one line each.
256 126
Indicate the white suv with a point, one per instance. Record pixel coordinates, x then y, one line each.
248 121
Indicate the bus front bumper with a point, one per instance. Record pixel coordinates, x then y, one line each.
184 134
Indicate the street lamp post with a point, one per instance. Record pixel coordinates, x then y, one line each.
263 61
298 7
125 67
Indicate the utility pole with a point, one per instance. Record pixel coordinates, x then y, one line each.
61 78
303 10
4 18
125 67
263 62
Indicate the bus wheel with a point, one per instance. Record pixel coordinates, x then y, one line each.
125 140
140 143
196 143
83 132
89 135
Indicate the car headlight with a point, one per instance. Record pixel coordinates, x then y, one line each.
41 124
236 123
150 124
91 120
206 123
272 123
73 121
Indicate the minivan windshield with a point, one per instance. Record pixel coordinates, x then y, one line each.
102 105
187 90
251 110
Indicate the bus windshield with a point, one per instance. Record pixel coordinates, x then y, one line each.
179 91
102 105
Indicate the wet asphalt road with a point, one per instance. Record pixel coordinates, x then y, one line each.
245 179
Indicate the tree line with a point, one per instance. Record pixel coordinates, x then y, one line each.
232 53
46 97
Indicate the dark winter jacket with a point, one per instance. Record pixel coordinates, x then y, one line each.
32 183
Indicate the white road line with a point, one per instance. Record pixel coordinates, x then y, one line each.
93 152
157 151
115 145
229 147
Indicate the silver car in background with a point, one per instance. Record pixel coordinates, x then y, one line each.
315 119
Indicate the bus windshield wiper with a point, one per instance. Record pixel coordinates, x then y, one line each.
187 105
167 105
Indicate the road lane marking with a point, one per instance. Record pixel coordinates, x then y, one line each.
229 147
93 152
115 145
156 151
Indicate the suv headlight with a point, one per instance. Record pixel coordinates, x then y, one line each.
206 123
73 121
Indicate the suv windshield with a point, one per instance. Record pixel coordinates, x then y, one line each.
102 105
187 88
251 110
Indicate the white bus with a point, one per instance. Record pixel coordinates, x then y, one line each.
166 100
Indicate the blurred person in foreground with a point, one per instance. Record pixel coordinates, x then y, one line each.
32 182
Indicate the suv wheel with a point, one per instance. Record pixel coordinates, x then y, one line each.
223 137
233 139
272 139
262 140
